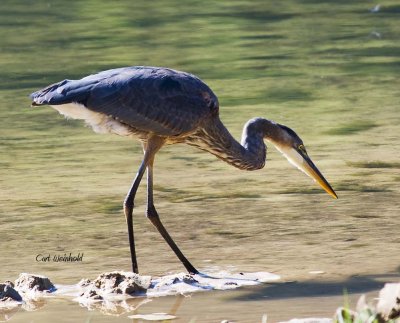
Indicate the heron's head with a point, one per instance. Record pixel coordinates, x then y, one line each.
292 147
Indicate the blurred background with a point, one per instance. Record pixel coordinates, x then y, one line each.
328 69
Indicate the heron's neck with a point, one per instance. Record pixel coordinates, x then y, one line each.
249 154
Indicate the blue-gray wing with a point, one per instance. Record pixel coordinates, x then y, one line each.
153 99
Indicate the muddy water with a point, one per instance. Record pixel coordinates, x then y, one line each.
329 70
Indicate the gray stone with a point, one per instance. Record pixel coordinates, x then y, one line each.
122 283
8 293
28 282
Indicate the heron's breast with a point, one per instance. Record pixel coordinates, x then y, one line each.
99 122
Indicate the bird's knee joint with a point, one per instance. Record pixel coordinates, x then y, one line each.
128 206
151 212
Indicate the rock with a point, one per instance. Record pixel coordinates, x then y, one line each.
28 282
388 306
9 282
187 279
230 284
118 283
8 293
84 282
91 294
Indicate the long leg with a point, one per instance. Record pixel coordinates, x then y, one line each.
155 220
150 148
128 210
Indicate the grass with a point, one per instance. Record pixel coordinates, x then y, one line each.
370 312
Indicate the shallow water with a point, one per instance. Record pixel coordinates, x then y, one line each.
279 301
329 70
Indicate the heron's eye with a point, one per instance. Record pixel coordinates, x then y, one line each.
302 148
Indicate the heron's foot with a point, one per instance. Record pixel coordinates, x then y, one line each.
192 271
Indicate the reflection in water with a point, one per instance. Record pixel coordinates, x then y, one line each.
9 308
33 304
116 308
177 304
107 307
171 315
7 312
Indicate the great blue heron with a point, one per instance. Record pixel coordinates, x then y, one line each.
162 106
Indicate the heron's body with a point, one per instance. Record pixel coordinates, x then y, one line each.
145 99
162 106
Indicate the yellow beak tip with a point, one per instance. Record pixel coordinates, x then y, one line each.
333 194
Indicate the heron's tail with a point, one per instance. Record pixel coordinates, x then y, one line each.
63 92
49 95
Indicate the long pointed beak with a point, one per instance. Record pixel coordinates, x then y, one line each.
311 170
